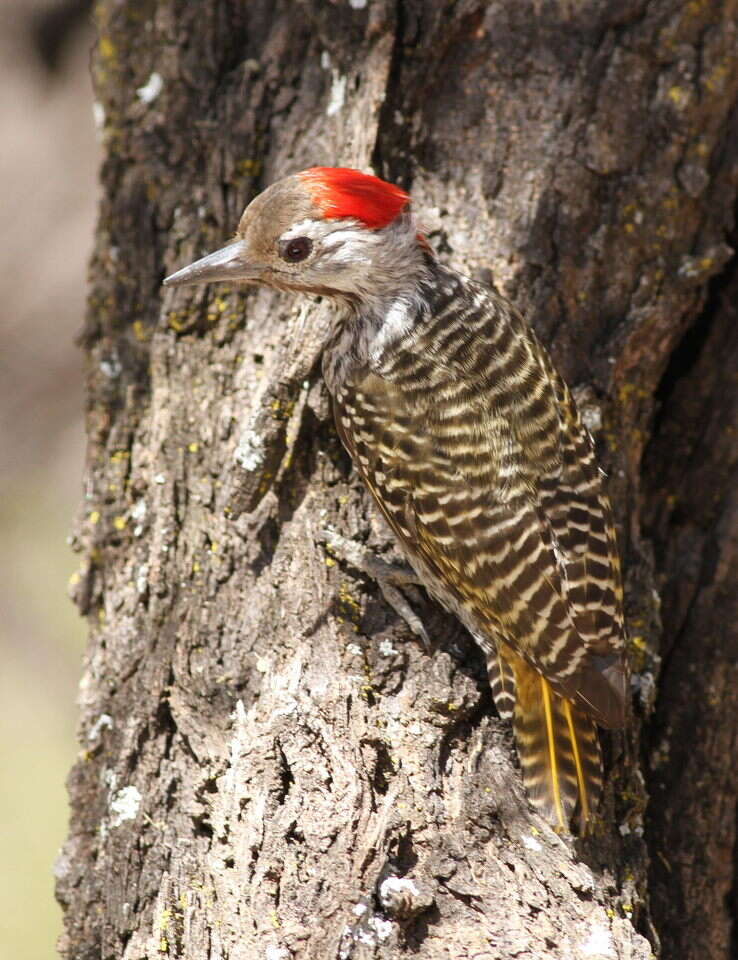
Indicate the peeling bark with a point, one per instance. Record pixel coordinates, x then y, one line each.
271 766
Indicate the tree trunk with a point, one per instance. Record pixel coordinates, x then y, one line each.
272 767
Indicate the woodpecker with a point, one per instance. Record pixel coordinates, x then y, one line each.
471 445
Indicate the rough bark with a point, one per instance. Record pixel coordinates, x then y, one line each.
264 744
693 741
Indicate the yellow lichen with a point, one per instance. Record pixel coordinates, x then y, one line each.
106 48
174 321
249 168
139 331
349 606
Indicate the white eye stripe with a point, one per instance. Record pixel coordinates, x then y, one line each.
342 236
313 229
325 231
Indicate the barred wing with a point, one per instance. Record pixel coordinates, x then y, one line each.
506 546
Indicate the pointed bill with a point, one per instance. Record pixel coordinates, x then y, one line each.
228 263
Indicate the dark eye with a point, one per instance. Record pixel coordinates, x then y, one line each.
295 250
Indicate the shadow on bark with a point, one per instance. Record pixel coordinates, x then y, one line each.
691 487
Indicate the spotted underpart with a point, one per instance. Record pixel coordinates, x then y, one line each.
474 451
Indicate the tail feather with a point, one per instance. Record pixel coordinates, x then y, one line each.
502 683
559 751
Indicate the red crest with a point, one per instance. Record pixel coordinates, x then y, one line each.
341 192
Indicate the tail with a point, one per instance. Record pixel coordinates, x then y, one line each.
502 682
558 748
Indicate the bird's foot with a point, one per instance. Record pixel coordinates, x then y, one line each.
388 576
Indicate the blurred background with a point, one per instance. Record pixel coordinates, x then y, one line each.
48 171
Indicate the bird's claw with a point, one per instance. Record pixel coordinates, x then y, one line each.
388 576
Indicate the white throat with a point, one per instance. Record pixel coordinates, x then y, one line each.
366 334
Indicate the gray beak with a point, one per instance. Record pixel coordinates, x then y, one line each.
228 263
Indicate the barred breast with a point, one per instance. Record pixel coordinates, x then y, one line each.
473 449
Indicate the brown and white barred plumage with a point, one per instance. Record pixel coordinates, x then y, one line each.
472 448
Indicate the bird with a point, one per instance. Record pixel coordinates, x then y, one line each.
471 445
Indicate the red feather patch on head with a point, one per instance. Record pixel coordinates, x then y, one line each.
341 192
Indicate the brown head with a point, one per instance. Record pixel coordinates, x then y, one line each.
326 230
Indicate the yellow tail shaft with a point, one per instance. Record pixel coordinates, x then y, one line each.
558 748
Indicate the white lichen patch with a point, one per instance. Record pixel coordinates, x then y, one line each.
598 944
142 578
644 684
532 844
138 515
337 95
250 451
382 928
111 367
360 909
358 4
125 805
98 115
398 895
386 649
277 953
103 722
151 89
398 885
591 417
237 744
370 932
636 828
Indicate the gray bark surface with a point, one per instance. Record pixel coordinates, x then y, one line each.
264 744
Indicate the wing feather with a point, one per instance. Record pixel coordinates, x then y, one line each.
497 501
